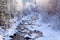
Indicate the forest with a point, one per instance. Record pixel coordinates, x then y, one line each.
29 19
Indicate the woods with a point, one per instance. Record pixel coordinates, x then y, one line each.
21 17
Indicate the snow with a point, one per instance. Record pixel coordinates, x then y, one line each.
48 32
1 37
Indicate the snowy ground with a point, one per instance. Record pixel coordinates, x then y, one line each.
36 18
48 33
46 29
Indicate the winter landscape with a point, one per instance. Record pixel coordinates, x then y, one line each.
29 19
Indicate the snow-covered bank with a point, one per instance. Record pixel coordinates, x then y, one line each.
32 19
46 28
